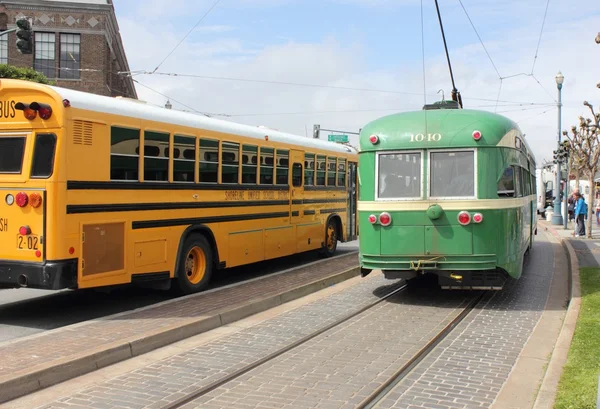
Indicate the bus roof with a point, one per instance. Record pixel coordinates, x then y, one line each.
138 109
455 127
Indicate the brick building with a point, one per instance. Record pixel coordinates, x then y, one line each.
76 43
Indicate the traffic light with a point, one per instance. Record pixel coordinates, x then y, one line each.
316 129
24 36
555 154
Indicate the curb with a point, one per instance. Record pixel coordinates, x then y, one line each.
547 393
73 366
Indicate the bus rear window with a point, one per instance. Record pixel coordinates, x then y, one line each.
11 154
452 174
43 156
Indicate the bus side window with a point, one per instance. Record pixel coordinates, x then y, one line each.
320 170
230 162
506 184
309 169
331 165
341 176
156 166
124 153
297 175
209 161
283 167
249 170
266 166
183 167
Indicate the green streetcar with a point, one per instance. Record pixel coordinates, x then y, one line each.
447 191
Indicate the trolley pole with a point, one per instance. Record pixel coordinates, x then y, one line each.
557 218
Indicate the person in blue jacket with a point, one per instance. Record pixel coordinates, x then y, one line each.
580 214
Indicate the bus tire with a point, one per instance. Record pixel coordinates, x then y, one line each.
331 238
195 266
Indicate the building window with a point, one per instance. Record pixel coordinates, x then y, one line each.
4 49
70 57
45 46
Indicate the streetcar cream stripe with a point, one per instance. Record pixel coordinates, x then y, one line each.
481 204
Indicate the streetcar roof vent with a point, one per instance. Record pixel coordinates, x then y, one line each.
448 104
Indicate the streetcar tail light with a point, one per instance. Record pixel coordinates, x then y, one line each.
44 110
476 135
477 218
372 219
35 200
374 139
385 219
464 218
29 112
24 231
22 199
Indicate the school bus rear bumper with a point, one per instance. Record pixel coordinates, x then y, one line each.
49 275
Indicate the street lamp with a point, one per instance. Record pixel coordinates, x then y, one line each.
557 218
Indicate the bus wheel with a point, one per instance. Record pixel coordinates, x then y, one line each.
331 239
195 266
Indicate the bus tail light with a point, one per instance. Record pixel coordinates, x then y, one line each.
372 219
477 218
35 200
464 218
385 219
29 112
374 139
22 199
44 110
24 230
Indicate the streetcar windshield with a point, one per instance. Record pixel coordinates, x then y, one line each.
11 154
399 176
452 174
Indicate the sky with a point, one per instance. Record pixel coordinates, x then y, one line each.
290 64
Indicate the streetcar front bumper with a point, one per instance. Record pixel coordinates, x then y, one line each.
49 275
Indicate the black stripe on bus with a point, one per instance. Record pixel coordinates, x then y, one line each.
340 188
295 213
327 211
309 212
317 201
149 224
129 207
83 185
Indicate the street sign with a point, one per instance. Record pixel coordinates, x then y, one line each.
337 138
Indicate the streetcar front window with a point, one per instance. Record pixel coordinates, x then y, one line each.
452 174
399 176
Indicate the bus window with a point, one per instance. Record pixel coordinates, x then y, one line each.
183 168
452 174
11 154
249 168
309 169
341 178
43 155
399 176
156 166
297 175
320 170
506 184
283 166
266 166
124 153
209 161
331 166
230 162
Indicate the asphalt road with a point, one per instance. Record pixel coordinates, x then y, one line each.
25 311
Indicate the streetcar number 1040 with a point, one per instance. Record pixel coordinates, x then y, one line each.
430 137
27 242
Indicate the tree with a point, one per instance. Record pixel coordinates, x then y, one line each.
585 150
27 74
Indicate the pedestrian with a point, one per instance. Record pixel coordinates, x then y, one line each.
598 211
580 214
571 209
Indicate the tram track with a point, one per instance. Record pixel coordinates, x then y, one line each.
201 391
374 398
387 387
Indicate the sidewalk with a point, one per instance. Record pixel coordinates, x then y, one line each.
568 234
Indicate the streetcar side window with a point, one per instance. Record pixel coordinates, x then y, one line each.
399 176
452 174
506 184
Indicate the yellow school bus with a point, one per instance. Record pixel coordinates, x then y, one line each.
99 191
